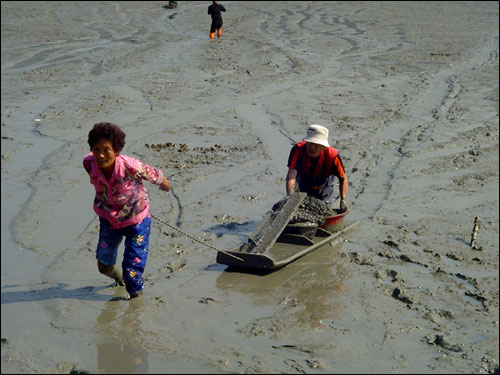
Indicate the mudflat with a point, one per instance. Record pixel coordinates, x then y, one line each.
409 92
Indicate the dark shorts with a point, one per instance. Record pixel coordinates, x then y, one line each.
215 25
325 193
135 254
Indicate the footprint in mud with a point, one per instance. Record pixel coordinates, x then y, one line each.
443 342
206 300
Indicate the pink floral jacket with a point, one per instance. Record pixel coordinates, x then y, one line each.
122 200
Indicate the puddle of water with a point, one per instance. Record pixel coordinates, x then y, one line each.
479 337
119 358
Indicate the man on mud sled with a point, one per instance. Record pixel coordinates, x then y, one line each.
313 165
301 221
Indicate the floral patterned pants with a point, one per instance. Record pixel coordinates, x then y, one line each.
135 254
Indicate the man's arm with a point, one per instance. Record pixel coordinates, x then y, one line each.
291 178
343 187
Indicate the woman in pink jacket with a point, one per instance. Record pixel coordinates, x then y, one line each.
122 204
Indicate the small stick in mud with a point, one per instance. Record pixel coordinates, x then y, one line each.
472 244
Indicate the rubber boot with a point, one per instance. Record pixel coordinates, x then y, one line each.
116 274
212 35
219 32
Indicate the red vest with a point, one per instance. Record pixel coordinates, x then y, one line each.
323 167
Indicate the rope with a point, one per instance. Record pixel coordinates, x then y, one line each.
195 239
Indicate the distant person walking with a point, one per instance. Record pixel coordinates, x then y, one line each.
215 11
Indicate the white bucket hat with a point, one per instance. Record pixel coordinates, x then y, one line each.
317 134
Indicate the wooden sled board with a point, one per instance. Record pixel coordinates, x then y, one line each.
272 225
285 250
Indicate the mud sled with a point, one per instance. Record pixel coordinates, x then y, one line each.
276 242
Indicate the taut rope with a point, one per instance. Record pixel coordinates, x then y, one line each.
195 239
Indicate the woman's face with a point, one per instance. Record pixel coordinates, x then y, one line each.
104 154
313 149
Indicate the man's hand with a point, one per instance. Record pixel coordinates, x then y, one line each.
343 205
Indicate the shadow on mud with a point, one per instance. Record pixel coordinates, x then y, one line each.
59 290
241 230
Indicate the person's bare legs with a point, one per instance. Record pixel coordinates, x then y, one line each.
112 272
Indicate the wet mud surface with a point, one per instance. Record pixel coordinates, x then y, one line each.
409 92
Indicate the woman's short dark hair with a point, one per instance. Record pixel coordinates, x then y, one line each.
108 131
